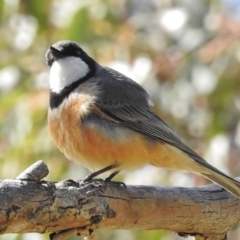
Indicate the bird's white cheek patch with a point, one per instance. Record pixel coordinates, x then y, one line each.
65 71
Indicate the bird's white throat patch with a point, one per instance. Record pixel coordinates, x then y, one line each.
66 71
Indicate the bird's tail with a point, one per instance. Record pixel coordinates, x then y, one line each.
187 160
225 181
212 173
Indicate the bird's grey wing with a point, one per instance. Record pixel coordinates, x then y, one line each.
127 102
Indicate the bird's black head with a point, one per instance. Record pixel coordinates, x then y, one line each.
64 49
70 66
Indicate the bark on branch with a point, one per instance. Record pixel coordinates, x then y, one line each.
29 204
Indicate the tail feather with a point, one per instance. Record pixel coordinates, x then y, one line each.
214 174
225 181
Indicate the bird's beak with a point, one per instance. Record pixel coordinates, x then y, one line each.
56 53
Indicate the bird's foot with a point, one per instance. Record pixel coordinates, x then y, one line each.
111 176
91 180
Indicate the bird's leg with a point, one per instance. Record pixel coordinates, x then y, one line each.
90 177
111 176
94 174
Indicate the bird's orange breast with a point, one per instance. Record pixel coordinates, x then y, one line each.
89 144
95 148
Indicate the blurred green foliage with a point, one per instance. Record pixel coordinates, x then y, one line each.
186 53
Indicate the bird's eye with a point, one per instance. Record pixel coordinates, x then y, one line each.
78 53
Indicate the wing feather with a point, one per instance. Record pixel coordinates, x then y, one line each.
126 102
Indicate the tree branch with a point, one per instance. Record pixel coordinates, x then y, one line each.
28 204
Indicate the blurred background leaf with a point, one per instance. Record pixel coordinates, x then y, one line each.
185 53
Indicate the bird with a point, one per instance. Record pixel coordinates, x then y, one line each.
103 120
